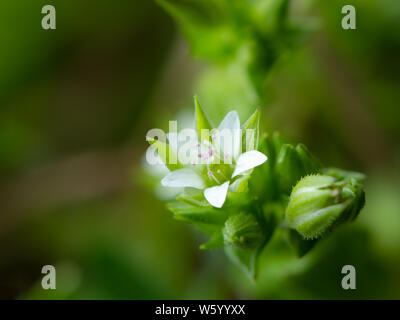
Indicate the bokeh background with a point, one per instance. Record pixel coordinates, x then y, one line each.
75 106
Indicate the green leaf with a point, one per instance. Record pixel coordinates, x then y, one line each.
166 153
201 120
240 185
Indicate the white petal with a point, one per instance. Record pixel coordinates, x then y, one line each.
156 169
248 160
231 121
183 178
216 195
165 193
232 145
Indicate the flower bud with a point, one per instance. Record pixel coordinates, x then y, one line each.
243 231
319 202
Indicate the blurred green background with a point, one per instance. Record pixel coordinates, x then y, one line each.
76 103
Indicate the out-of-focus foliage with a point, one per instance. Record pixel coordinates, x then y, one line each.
249 36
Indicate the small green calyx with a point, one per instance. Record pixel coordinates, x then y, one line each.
318 203
243 231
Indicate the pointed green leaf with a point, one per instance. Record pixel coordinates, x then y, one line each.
240 185
251 132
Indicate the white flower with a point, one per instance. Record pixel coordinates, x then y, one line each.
212 176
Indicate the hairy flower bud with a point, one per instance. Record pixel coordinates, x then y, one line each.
243 231
320 202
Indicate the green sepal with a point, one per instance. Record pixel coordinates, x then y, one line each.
166 154
240 185
341 174
201 120
195 214
263 182
271 145
322 222
352 190
193 197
